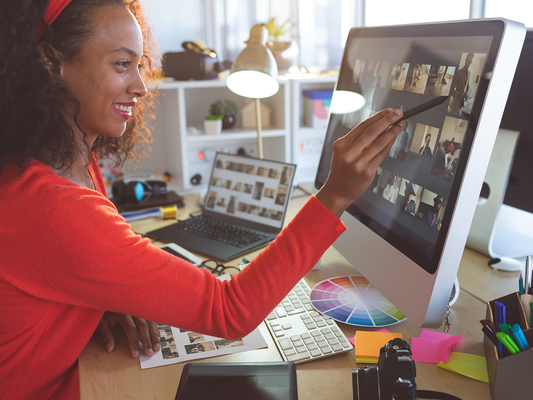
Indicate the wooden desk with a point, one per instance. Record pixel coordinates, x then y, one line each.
119 376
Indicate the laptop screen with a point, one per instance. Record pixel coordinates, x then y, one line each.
250 189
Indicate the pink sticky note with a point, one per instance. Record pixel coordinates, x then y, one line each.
433 347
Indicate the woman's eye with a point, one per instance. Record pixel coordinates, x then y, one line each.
122 63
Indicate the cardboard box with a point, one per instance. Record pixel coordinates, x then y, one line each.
316 108
510 376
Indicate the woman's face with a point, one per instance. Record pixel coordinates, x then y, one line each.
105 77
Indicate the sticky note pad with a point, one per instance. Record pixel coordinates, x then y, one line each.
368 344
433 347
470 365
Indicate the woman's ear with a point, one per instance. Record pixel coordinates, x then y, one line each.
44 58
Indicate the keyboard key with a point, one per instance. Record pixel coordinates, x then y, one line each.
333 341
310 326
276 328
299 357
289 352
296 311
316 333
336 347
297 343
271 316
329 336
305 335
326 350
315 353
312 346
279 334
285 343
322 344
295 338
320 324
281 312
309 341
301 349
325 330
286 326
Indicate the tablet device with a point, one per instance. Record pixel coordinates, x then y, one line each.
238 381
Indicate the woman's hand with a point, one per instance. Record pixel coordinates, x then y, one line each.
137 330
356 157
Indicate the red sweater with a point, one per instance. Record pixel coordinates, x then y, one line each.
66 255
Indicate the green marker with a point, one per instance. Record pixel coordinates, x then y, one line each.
506 328
508 342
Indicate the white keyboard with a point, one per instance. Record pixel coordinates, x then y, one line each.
301 333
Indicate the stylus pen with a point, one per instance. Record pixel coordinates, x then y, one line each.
507 342
423 107
520 338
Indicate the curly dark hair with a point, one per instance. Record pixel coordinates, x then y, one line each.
34 123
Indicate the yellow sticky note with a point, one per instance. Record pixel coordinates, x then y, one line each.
470 365
368 344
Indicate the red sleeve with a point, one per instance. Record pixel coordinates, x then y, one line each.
69 245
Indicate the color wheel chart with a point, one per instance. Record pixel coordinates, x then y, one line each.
354 300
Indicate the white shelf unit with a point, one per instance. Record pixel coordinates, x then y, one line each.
307 142
185 104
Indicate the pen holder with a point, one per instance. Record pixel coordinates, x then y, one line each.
509 375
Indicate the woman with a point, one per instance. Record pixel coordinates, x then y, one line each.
391 190
73 90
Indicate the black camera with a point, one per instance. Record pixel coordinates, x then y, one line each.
392 378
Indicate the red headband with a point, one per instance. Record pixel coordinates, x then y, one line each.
55 8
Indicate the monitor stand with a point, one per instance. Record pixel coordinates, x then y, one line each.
497 230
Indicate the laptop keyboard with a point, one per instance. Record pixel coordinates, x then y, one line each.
302 334
222 231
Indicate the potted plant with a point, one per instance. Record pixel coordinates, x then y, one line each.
213 124
228 109
283 48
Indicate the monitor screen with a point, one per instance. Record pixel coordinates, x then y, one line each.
436 160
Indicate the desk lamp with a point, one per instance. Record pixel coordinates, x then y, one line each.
253 74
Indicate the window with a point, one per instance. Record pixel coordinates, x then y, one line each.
393 12
517 10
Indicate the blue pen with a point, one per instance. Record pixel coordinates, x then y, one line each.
500 318
521 289
520 338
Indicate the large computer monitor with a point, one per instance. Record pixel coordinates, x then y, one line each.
407 232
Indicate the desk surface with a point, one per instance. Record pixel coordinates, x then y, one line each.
119 376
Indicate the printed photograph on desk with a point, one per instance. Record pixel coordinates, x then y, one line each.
178 345
447 154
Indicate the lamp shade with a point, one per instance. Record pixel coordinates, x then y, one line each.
254 71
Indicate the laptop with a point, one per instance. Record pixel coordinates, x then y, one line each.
244 209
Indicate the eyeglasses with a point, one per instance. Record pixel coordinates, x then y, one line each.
215 268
